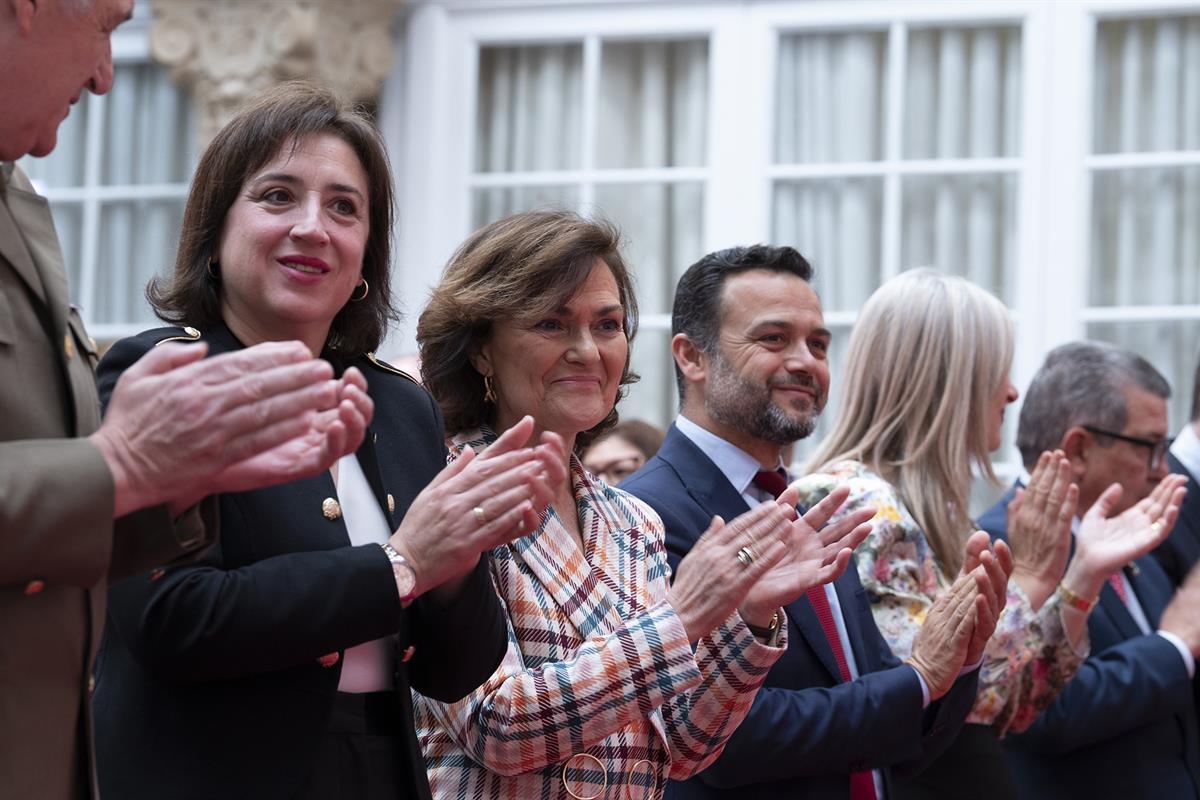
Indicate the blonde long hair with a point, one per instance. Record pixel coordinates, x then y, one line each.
927 356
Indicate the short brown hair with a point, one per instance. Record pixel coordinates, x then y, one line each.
285 114
520 266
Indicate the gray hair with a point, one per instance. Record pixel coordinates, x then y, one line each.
1081 383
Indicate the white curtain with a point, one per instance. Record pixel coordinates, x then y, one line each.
1145 243
961 101
651 112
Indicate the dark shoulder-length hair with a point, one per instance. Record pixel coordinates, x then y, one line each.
280 117
521 266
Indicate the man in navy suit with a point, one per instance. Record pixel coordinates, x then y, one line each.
835 711
1181 550
1125 726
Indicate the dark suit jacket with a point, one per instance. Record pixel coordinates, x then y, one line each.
1125 726
59 544
1182 548
807 731
208 681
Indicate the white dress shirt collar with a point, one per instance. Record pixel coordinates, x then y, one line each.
1186 448
738 466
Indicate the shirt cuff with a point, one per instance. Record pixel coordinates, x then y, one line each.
924 687
1188 660
969 668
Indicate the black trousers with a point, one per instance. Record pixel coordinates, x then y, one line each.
362 754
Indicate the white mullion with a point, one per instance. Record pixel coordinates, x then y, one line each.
1171 158
149 191
931 166
89 238
591 104
1160 313
893 155
483 180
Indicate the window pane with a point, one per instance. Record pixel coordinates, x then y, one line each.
653 104
962 93
964 225
147 129
68 223
1147 85
831 97
64 165
653 398
1170 346
661 226
489 205
137 240
529 108
1145 240
836 225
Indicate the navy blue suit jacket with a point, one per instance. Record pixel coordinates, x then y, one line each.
806 731
1182 548
1125 726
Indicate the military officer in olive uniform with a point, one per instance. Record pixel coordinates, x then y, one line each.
83 504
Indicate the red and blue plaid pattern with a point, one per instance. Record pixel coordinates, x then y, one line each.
598 663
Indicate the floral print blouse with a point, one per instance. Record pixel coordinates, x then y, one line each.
1029 658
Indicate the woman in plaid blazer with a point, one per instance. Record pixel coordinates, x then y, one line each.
614 680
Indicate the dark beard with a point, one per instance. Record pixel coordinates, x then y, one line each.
747 407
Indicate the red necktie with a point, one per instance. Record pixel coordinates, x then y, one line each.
1118 586
771 480
862 784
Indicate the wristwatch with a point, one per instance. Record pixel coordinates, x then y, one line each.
406 576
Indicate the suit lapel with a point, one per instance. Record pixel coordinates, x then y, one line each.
1118 613
13 246
709 487
558 564
37 226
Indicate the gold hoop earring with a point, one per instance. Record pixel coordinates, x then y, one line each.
366 290
214 273
489 390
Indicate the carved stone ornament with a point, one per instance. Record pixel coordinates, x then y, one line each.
225 51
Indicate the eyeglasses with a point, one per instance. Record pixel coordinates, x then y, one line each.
1158 449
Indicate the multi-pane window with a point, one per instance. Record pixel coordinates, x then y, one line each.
607 127
893 149
1144 265
116 183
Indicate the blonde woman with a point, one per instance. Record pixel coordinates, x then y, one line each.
923 401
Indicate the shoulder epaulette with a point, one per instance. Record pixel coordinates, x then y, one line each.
189 334
386 367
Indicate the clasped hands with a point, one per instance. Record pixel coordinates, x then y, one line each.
788 555
478 502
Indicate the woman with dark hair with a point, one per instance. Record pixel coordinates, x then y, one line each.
280 664
600 692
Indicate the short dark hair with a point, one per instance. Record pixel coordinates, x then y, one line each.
1081 383
524 264
697 309
280 117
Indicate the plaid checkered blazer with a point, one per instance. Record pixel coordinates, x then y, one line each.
599 694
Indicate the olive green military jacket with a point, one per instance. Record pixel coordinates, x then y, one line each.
59 545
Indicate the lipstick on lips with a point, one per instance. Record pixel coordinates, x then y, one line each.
308 268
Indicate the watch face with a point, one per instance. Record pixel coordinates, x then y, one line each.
406 580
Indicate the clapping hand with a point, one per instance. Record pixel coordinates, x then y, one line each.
1039 527
817 553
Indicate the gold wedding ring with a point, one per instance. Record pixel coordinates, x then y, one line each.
1156 526
480 517
745 555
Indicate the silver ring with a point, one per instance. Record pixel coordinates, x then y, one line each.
745 555
480 517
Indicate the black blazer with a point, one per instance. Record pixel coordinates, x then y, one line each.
208 681
1182 548
807 730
